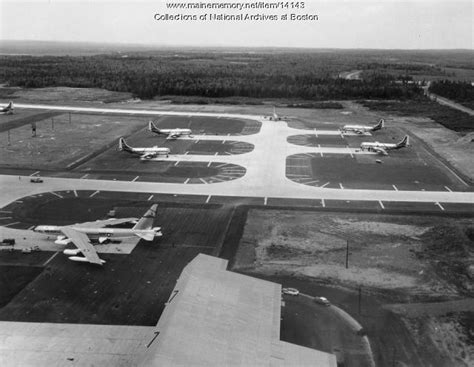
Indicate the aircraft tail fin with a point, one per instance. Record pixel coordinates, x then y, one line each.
404 142
153 128
124 146
146 222
379 125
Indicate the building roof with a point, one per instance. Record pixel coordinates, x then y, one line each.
220 318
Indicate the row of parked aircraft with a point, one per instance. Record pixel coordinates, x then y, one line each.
81 234
376 147
155 151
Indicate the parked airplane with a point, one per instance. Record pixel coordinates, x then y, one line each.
81 233
8 110
172 133
275 116
360 129
145 153
384 147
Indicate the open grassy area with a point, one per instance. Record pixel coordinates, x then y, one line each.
423 107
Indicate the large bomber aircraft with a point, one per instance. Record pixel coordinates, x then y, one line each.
382 148
360 129
171 133
8 110
80 234
145 153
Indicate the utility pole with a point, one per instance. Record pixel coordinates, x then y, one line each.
360 299
347 254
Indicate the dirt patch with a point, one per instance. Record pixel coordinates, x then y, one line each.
428 255
59 143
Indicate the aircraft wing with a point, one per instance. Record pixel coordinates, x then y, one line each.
148 155
380 150
173 136
106 222
82 243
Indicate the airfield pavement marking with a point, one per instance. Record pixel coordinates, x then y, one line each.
223 142
186 153
6 211
209 164
84 176
440 206
208 198
187 180
51 258
35 173
30 228
323 203
265 201
327 183
136 178
151 197
177 163
94 193
5 217
217 153
203 181
454 173
447 188
75 193
381 204
395 187
340 185
311 182
10 224
19 201
59 196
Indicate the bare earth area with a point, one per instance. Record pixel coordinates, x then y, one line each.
59 143
422 259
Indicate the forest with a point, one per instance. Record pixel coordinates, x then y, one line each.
299 75
457 91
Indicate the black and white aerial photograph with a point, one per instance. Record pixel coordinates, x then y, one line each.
236 183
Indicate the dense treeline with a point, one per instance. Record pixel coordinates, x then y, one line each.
299 75
457 91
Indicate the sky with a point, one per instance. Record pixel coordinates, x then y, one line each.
385 24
